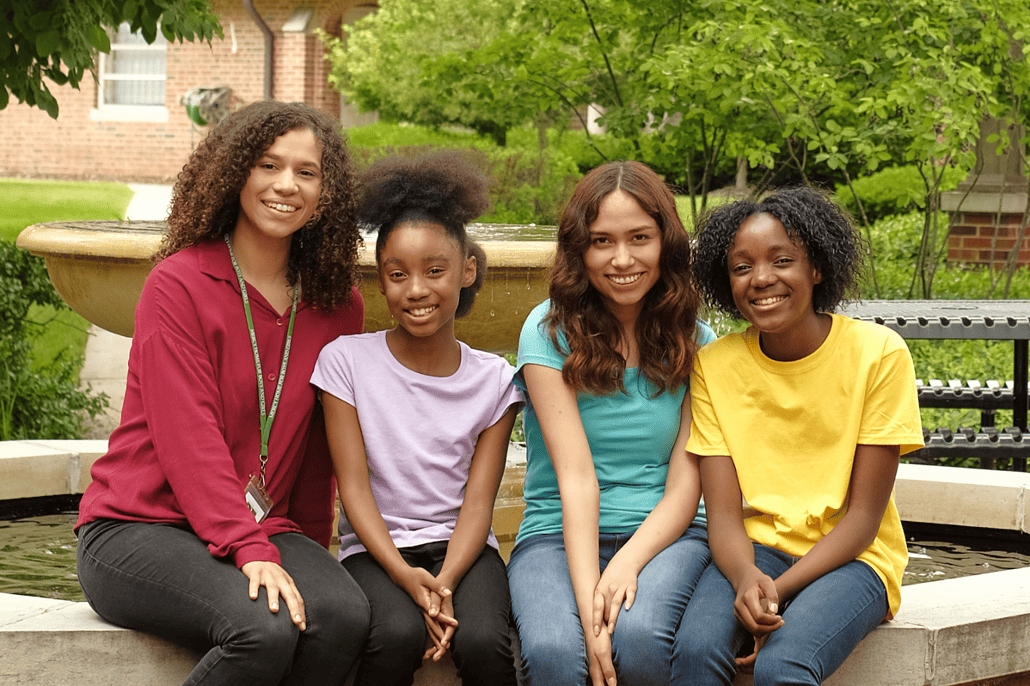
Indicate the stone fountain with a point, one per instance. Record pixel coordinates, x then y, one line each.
99 267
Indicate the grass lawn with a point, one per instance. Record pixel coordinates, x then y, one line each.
24 203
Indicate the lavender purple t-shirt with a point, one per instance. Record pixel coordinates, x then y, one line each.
420 431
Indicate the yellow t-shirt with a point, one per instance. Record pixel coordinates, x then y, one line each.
791 429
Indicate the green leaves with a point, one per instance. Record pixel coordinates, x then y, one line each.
59 40
99 39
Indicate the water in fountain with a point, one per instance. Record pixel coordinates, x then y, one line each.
38 557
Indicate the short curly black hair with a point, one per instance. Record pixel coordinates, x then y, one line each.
826 231
206 196
440 188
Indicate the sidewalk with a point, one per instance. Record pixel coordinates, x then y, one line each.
105 366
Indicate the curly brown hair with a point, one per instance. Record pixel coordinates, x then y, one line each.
206 197
665 330
440 188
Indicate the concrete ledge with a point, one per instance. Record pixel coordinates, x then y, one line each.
948 632
958 631
982 498
33 469
60 643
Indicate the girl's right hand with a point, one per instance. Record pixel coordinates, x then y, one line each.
599 654
757 603
277 584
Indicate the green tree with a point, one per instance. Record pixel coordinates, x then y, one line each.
382 64
58 40
796 89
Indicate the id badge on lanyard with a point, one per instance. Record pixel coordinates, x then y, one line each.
255 493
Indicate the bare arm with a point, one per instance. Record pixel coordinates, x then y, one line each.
562 427
758 596
666 522
732 549
475 516
347 447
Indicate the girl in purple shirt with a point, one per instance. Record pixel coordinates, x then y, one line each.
418 426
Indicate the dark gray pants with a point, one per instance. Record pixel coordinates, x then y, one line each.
481 646
162 580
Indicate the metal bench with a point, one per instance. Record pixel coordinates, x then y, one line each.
986 444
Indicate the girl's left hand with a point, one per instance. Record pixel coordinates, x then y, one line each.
441 627
616 589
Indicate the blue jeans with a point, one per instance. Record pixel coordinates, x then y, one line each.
822 625
161 579
544 605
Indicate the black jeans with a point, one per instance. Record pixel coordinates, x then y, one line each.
481 646
162 580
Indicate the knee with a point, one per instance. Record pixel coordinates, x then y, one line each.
268 640
398 637
483 651
553 657
343 616
642 650
703 657
773 668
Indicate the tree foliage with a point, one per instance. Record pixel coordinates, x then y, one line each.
795 90
58 40
383 61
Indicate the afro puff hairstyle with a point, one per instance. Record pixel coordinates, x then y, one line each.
440 188
825 230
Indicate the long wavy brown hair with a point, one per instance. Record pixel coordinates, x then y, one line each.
665 330
206 197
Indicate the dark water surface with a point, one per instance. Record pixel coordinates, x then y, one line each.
37 557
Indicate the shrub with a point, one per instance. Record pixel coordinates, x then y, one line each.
45 402
894 190
528 186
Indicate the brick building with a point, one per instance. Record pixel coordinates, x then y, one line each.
988 210
132 127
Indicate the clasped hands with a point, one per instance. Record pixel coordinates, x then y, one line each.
434 598
615 591
757 607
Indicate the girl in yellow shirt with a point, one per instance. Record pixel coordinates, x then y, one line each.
798 423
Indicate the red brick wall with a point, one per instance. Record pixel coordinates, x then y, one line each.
983 238
73 146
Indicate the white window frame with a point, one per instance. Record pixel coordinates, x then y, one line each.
114 112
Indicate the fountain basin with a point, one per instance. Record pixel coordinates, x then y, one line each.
972 630
99 267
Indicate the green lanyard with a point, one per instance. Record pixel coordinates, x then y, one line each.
264 420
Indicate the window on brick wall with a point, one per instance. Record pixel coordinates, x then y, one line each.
131 79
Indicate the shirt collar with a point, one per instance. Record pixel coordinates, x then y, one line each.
213 260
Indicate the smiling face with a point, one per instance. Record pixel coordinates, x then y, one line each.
622 260
772 279
422 270
282 190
